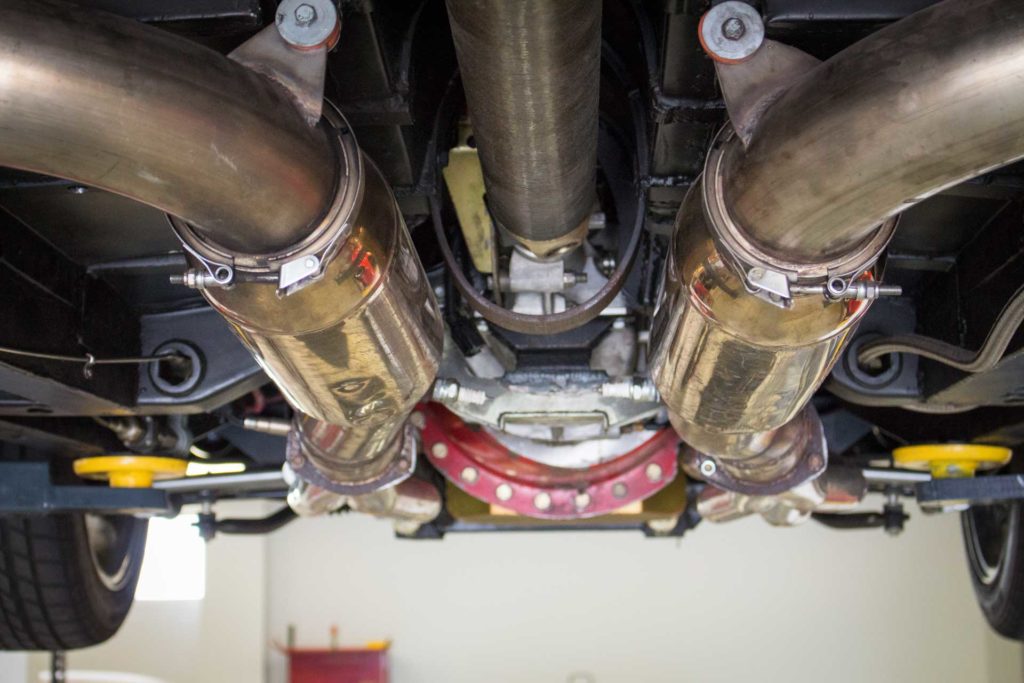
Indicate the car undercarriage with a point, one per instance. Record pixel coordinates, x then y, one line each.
502 265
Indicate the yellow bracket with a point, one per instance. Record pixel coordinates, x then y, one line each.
951 460
465 179
130 471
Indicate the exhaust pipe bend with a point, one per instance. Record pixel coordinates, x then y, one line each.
921 105
121 106
132 109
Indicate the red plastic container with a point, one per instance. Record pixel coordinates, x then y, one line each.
343 665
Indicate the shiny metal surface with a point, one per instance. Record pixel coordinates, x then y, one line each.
920 105
412 501
116 104
356 348
246 481
352 460
556 408
767 462
895 477
836 490
731 368
530 70
135 110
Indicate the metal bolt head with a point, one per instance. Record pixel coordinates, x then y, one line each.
733 28
305 14
581 500
439 450
731 32
620 490
307 24
503 492
708 467
542 501
653 471
469 475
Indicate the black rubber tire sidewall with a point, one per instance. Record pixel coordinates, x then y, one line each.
1002 599
53 597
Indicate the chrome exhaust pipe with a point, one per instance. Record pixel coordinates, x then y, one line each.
294 235
531 72
791 216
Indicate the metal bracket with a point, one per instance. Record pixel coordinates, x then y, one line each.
304 270
976 490
293 51
750 87
26 489
770 285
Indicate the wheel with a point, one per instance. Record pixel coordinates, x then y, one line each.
66 580
995 555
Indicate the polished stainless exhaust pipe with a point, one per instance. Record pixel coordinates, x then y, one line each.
751 317
114 104
294 233
531 72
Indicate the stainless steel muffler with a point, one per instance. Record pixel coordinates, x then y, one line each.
293 233
786 221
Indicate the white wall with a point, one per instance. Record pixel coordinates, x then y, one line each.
221 639
13 667
741 601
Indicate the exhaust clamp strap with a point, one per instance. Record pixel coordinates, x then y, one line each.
774 279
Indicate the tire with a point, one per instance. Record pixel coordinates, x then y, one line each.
994 540
67 581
